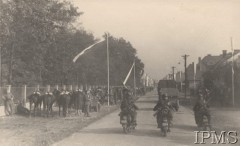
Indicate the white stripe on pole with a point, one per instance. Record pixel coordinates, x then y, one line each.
147 80
125 81
81 53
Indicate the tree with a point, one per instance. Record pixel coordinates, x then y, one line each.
32 27
39 41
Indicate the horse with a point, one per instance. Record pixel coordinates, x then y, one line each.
48 100
63 100
35 99
57 98
56 95
77 101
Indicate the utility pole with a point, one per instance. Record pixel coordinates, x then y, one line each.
0 67
108 68
0 71
185 67
134 78
173 72
233 96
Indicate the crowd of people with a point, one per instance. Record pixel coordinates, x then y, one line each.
94 98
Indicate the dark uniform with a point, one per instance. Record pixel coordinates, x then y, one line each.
8 103
161 103
201 108
128 106
87 102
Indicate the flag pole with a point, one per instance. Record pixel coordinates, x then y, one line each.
233 96
134 77
126 79
108 67
0 72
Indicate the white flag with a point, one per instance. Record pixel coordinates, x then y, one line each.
81 53
125 81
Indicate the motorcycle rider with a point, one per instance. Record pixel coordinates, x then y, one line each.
128 106
163 102
201 108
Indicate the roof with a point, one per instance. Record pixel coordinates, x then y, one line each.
210 60
225 59
236 52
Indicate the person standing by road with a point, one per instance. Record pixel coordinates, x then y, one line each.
8 102
87 102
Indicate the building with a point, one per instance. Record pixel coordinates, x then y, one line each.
210 62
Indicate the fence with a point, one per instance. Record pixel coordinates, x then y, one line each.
21 93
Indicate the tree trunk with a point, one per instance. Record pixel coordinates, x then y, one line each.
10 66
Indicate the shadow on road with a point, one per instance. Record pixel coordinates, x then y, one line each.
186 127
143 101
150 97
184 136
145 109
137 132
182 140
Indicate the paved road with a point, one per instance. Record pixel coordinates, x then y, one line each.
108 131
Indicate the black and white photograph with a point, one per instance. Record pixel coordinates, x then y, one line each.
119 72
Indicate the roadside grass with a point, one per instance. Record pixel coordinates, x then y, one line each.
41 131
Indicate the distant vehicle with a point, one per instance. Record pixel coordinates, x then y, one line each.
169 87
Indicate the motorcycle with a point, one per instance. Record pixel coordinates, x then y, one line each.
163 115
205 124
203 121
126 122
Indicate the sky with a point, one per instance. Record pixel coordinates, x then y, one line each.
164 30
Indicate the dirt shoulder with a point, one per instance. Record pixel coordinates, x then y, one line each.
223 118
40 131
226 119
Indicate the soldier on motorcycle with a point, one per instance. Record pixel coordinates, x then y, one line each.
128 106
200 109
163 102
